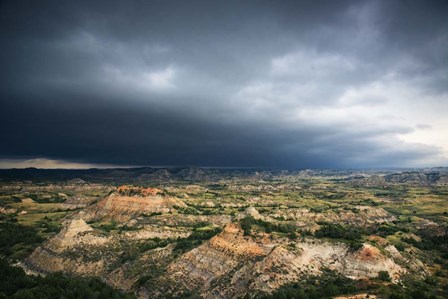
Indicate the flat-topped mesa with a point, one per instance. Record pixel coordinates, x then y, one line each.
130 202
126 190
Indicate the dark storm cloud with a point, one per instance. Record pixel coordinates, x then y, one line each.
222 83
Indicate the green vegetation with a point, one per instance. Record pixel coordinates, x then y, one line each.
17 241
412 288
105 226
337 231
432 243
153 214
49 226
352 235
188 210
248 222
330 284
384 276
327 285
53 198
154 243
195 239
14 283
9 199
385 230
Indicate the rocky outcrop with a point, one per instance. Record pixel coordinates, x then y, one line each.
76 181
7 211
50 256
189 219
152 232
121 207
220 257
368 262
251 211
137 191
230 264
77 232
77 202
360 216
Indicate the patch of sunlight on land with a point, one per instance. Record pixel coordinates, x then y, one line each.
35 212
32 219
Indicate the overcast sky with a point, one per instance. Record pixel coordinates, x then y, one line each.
284 84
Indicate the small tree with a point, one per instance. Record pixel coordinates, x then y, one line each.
384 276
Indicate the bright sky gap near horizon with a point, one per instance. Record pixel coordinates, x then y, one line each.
284 84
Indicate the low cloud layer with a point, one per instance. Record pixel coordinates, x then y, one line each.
226 83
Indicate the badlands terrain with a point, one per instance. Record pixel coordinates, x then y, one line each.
224 233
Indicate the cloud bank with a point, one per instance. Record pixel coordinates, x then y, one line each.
315 84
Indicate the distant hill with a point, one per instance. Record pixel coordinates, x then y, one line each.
143 175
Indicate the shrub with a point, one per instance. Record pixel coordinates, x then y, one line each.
195 239
12 233
384 276
337 231
249 221
327 285
14 283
